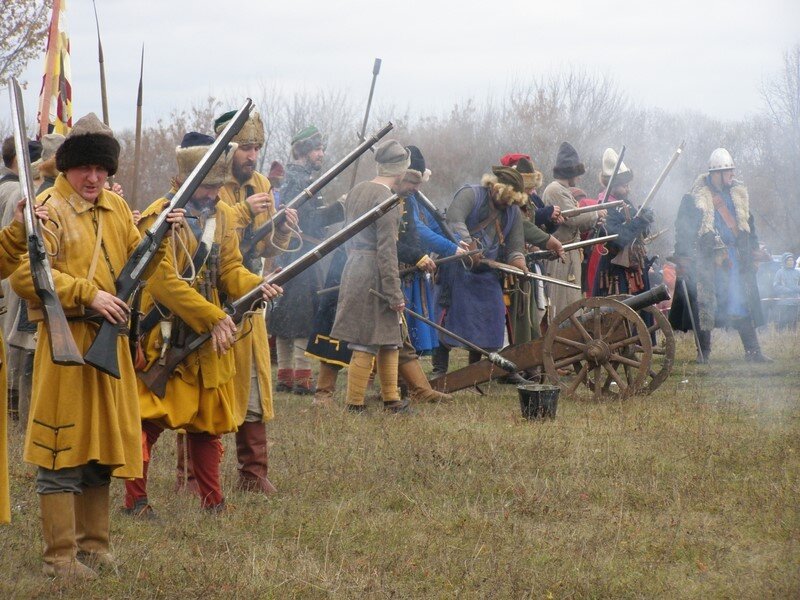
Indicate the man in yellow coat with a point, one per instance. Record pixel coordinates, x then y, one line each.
200 393
249 193
84 425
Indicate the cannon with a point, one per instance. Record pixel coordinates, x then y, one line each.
595 347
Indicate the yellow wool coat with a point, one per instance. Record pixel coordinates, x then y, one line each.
200 393
79 414
256 343
12 246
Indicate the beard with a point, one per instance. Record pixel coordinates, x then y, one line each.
244 171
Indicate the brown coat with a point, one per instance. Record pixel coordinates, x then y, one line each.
361 318
569 270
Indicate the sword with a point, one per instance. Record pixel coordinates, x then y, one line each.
685 291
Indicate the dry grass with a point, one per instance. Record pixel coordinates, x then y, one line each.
690 493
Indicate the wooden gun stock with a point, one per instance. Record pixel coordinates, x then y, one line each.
63 349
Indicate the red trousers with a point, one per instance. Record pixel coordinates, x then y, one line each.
206 452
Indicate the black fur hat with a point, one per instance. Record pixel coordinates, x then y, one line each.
568 165
90 142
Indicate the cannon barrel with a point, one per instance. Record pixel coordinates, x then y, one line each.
648 298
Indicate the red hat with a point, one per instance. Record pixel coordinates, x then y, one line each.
276 169
509 160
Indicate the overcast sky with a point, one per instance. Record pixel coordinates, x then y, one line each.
706 55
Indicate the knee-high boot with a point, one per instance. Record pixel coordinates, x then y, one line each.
419 390
58 530
92 528
752 349
206 451
387 374
136 502
357 379
252 451
326 384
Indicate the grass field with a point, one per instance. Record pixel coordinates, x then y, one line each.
692 492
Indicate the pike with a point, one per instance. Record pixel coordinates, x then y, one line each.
403 272
156 377
137 144
103 93
657 185
248 246
376 68
493 357
550 255
102 354
63 349
574 212
508 269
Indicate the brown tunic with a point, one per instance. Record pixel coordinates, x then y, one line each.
361 318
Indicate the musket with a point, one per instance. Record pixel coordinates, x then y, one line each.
156 377
376 68
63 349
437 216
137 144
493 357
102 354
508 269
249 245
409 270
550 255
675 156
574 212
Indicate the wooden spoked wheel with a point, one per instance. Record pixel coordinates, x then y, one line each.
598 347
663 350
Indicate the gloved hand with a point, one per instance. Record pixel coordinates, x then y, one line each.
647 216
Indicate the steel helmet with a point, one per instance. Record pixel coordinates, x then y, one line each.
720 160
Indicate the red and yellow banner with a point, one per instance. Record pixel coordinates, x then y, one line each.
55 98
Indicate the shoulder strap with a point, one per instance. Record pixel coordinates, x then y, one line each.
722 209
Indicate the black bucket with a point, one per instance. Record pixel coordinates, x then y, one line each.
538 401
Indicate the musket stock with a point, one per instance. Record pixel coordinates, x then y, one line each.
157 376
63 349
102 353
248 246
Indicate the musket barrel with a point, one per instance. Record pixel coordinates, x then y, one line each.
574 212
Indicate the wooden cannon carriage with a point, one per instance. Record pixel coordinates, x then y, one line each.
598 347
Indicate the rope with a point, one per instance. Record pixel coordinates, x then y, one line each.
55 241
293 233
177 240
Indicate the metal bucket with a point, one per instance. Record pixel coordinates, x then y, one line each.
538 401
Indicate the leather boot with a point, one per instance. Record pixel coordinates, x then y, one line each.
252 451
326 384
440 359
419 390
184 470
387 375
136 503
303 382
91 528
206 451
285 380
58 530
358 377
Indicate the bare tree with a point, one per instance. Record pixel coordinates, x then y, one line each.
23 28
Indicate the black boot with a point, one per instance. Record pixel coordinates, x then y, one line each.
440 359
13 404
752 349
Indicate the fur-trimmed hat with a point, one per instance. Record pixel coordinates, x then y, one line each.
392 158
507 185
91 142
530 176
610 158
568 165
47 164
252 132
306 140
276 169
193 148
417 173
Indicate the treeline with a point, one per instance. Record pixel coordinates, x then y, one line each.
534 117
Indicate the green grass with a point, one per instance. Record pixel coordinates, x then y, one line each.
689 493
